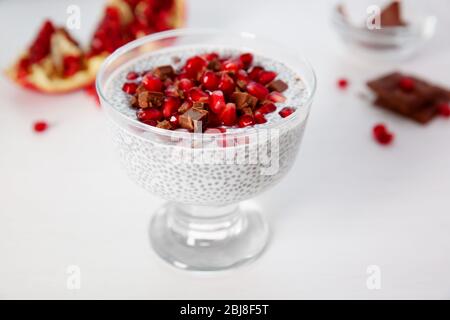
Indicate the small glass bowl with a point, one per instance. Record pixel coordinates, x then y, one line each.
349 19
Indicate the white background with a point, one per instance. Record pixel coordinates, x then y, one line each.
348 203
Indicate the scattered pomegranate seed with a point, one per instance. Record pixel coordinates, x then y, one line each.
132 75
185 84
255 72
242 78
210 81
211 56
231 65
228 115
194 66
342 83
267 108
407 84
266 76
259 117
129 87
152 83
226 84
170 106
40 126
245 121
444 110
216 101
286 111
257 90
382 135
198 95
149 114
276 97
246 59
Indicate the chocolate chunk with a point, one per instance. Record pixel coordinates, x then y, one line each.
198 105
277 85
156 99
193 119
164 72
164 124
419 103
244 100
247 110
215 65
391 15
143 99
185 106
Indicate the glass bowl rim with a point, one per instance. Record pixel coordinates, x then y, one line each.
187 32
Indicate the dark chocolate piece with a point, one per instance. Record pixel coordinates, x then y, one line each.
193 118
248 111
244 100
215 65
164 72
277 85
391 15
164 124
420 103
185 106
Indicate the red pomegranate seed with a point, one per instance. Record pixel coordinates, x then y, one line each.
276 97
228 115
40 126
246 59
129 87
72 64
245 121
216 101
259 117
149 114
255 72
185 84
342 83
198 95
41 45
170 106
382 135
286 111
226 84
257 90
444 110
267 108
231 65
171 91
132 75
266 76
210 81
152 83
194 66
174 120
407 84
211 56
242 78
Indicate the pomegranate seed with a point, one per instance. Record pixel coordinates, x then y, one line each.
214 120
174 120
259 117
228 115
286 111
41 45
382 135
342 83
226 84
231 65
266 76
149 114
245 121
152 83
171 91
210 81
257 90
185 84
406 84
276 97
255 72
40 126
198 95
129 87
132 75
194 66
267 108
211 56
242 78
170 106
216 101
444 110
71 65
246 59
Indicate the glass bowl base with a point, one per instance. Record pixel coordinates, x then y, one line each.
208 238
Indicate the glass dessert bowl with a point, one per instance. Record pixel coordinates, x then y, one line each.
205 174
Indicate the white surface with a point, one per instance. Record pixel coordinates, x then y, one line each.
348 203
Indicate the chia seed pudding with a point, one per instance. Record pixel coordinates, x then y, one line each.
217 168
